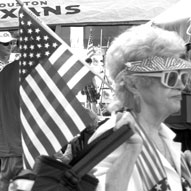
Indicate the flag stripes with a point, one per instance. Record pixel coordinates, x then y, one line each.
186 172
149 164
68 65
143 173
34 105
28 159
42 94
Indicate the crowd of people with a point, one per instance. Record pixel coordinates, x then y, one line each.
149 71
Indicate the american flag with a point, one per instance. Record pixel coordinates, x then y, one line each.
90 46
51 76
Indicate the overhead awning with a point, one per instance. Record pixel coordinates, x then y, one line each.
84 12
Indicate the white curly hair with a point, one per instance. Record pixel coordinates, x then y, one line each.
140 42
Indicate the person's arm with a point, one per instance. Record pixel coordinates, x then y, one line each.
119 174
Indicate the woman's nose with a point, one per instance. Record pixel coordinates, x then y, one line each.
180 84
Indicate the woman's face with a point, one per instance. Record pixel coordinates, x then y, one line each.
164 100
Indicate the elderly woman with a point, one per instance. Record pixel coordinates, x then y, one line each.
149 75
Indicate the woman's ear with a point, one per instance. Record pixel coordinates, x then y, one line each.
134 98
133 88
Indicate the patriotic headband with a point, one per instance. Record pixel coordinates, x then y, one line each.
158 64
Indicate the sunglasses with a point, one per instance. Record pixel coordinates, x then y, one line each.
169 78
7 43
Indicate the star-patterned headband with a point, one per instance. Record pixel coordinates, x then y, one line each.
158 64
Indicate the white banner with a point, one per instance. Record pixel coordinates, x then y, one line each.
73 12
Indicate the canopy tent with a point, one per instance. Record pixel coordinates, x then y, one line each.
84 12
176 18
178 11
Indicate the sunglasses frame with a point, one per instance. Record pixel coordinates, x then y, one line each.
162 75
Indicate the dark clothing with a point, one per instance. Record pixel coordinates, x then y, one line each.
183 134
10 132
10 168
91 93
10 129
81 141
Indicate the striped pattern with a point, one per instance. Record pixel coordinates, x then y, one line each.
90 46
51 76
152 170
149 165
186 174
157 64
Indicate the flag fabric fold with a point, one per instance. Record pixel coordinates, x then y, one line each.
50 78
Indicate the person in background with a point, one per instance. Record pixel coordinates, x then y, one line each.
149 75
91 92
10 129
6 41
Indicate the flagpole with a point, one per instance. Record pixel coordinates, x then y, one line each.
101 39
108 42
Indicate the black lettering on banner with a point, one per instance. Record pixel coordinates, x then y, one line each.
11 4
8 13
2 5
73 9
34 3
56 11
34 11
43 3
26 3
12 13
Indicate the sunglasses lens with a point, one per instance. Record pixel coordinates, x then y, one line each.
172 79
184 78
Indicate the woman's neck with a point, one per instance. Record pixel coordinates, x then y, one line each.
150 121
